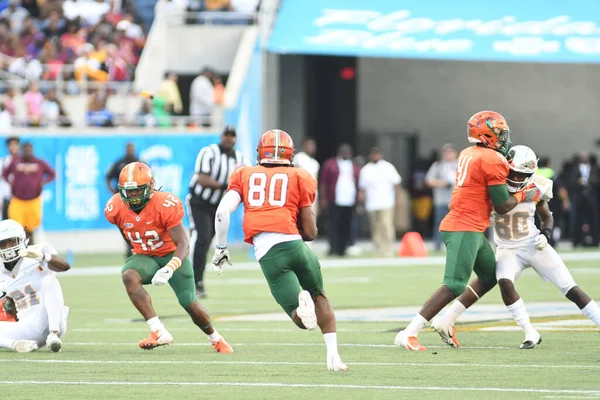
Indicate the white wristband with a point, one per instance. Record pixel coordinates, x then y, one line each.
46 257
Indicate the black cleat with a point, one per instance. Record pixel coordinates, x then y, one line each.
528 344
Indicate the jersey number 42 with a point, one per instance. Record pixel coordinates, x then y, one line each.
263 189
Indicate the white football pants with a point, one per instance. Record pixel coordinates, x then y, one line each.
546 263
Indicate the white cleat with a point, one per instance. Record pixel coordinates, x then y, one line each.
408 342
446 331
54 343
306 310
25 346
531 340
335 363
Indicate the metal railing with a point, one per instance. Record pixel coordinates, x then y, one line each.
176 123
177 18
63 86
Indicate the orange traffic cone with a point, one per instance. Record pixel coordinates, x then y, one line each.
412 245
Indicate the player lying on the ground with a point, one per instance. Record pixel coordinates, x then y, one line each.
522 245
34 309
480 187
278 216
151 221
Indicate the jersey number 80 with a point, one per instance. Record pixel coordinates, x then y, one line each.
263 189
513 226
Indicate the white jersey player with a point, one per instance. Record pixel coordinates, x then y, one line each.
35 312
522 245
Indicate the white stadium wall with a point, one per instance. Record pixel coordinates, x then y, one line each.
551 107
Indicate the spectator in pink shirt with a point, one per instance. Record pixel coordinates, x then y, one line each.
33 101
9 102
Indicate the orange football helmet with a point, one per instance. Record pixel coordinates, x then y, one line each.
136 185
275 147
490 129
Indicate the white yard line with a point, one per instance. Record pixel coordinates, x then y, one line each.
208 362
175 329
331 264
202 344
570 397
301 385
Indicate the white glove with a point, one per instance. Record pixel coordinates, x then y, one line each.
35 252
545 186
3 289
163 275
540 242
221 257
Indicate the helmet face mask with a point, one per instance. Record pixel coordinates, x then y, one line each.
503 144
523 165
136 185
136 197
517 181
12 241
9 249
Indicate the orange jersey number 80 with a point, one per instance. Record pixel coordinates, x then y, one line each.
261 189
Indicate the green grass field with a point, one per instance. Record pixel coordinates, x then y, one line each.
273 359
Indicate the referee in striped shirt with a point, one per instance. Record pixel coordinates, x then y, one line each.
214 166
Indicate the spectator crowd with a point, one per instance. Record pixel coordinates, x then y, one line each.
97 40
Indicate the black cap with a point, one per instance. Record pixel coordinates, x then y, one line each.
229 130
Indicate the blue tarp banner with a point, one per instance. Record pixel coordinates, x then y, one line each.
246 116
76 199
481 30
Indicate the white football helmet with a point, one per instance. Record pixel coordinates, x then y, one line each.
12 231
523 164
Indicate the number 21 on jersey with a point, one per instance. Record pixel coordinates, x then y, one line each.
271 190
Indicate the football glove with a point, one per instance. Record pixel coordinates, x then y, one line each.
35 252
220 258
163 275
540 242
530 194
3 289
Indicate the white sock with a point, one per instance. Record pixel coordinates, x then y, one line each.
416 325
592 311
456 309
155 324
54 302
214 337
331 342
519 314
6 343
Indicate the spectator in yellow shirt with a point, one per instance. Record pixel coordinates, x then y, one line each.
169 91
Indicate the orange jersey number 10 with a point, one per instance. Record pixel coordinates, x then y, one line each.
272 190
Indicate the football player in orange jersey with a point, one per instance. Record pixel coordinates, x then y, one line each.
151 222
278 216
480 186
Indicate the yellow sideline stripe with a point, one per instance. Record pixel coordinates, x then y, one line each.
472 327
